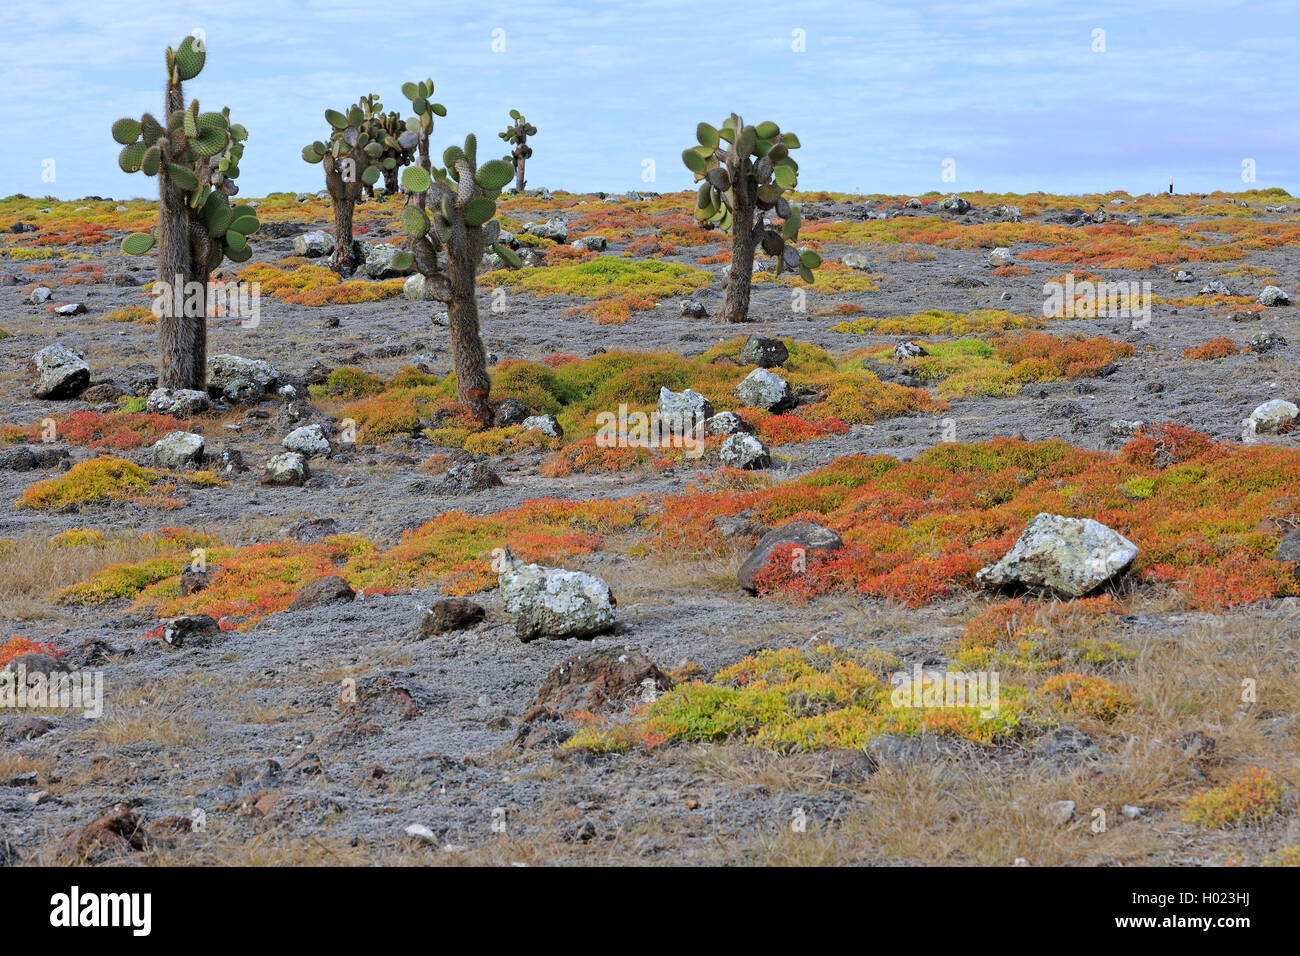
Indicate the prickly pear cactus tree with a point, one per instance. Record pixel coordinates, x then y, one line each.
353 159
195 156
516 134
387 128
744 173
457 216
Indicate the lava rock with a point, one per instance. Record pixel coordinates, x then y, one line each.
800 534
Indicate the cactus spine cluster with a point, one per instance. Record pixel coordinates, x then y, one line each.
353 159
195 156
453 210
739 186
517 135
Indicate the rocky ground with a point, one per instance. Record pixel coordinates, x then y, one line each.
431 760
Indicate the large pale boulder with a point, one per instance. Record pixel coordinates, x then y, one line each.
313 244
762 388
60 372
178 450
554 602
1067 556
240 380
681 413
1273 417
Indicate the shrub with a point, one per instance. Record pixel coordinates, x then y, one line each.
1250 799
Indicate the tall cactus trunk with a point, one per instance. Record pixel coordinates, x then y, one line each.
345 263
343 195
735 307
519 174
464 250
182 336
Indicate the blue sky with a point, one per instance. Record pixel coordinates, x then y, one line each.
882 93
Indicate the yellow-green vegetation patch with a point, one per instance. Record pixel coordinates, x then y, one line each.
792 700
830 277
941 322
106 480
577 391
1005 364
1253 797
603 276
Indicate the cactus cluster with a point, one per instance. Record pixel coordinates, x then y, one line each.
195 155
197 152
453 209
353 158
744 173
391 130
517 134
462 195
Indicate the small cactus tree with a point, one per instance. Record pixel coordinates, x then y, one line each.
462 199
517 134
353 158
741 185
196 157
399 144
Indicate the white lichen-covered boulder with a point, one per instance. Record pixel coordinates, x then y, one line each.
308 441
60 372
1273 417
287 468
765 389
554 602
1067 556
178 450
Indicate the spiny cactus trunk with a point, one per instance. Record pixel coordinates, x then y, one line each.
735 307
519 174
464 250
345 262
342 194
390 181
182 338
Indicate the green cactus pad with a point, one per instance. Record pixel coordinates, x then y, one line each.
151 160
336 119
792 222
508 255
310 155
235 241
494 174
767 130
239 255
131 156
218 218
414 221
138 243
190 58
694 162
150 129
244 223
126 131
479 211
809 259
416 180
209 142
